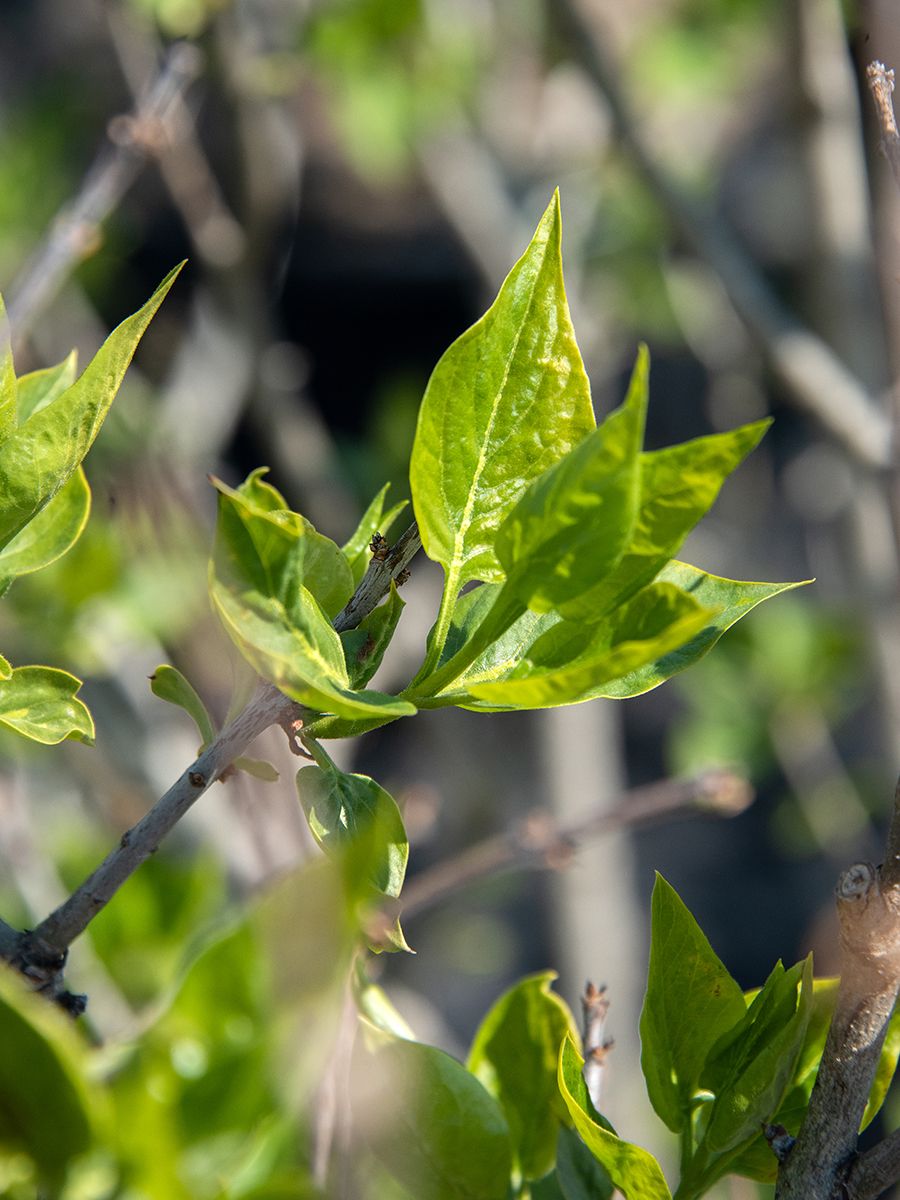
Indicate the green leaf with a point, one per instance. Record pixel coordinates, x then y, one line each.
48 1108
55 529
38 457
346 810
170 685
434 1126
365 645
374 520
579 1175
691 1000
634 1171
514 1054
677 486
5 668
571 661
8 384
259 768
261 543
728 597
40 703
37 389
506 400
299 652
573 523
751 1067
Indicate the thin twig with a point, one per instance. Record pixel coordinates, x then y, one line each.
539 842
594 1009
74 233
42 948
875 1171
816 379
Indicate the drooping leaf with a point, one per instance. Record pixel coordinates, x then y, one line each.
507 399
571 661
170 685
573 523
48 1107
37 389
433 1125
344 809
55 529
259 768
374 520
633 1170
678 485
691 1000
731 600
299 652
365 645
41 704
39 455
514 1054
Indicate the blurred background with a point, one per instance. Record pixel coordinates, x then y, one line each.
350 181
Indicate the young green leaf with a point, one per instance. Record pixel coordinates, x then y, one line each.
433 1125
37 389
678 485
691 1000
260 542
572 525
41 704
5 668
259 768
507 399
729 598
55 529
634 1171
170 685
571 661
579 1174
751 1067
8 383
299 651
514 1054
38 457
374 520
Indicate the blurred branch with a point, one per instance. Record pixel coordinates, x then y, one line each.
540 842
75 232
217 236
815 378
594 1008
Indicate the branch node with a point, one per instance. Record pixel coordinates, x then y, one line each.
780 1141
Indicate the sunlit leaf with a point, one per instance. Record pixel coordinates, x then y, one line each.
634 1171
37 389
169 684
39 456
690 1001
514 1054
54 530
365 645
41 704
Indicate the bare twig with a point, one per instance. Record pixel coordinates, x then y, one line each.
41 951
539 842
881 83
75 231
816 379
868 902
594 1008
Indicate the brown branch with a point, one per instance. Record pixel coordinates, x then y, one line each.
41 952
539 842
74 234
876 1170
881 84
815 378
868 903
